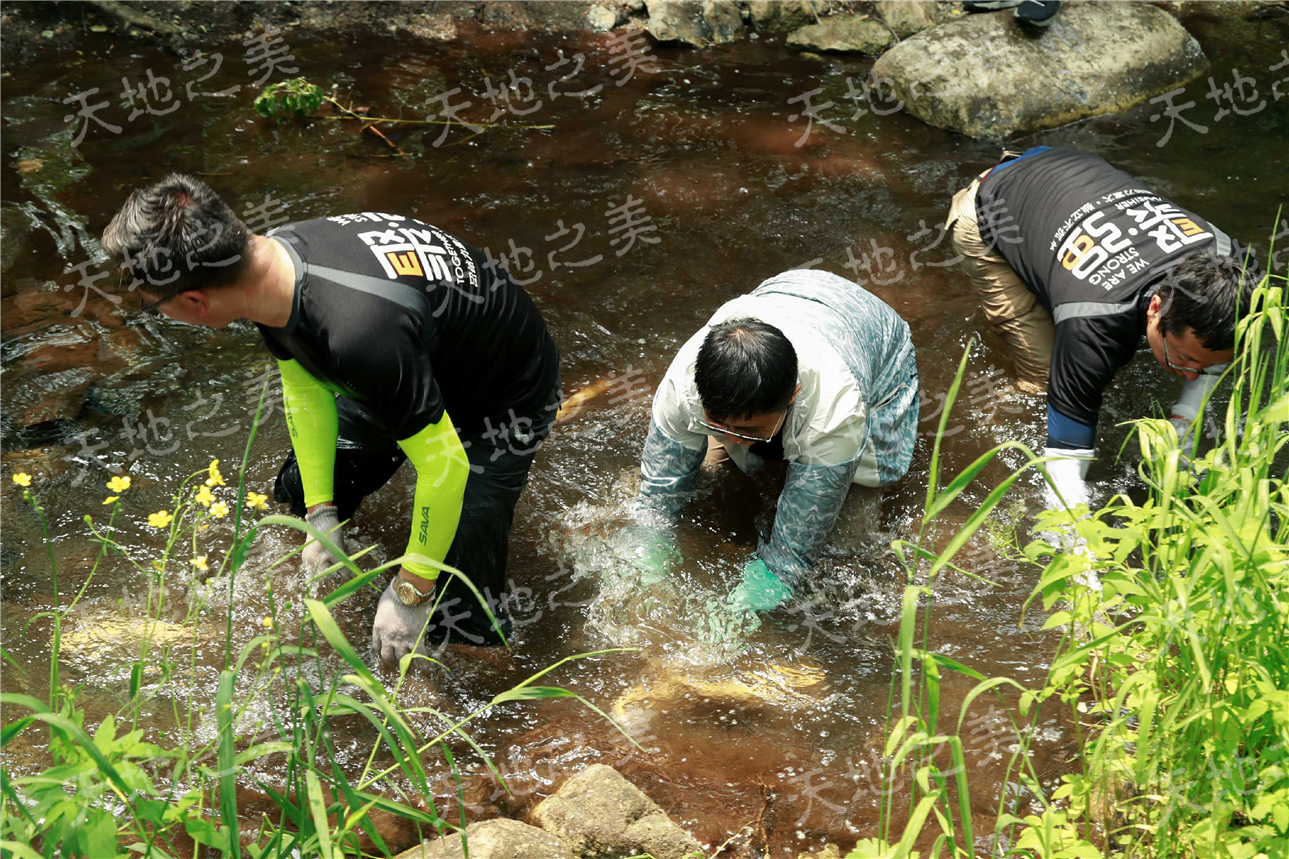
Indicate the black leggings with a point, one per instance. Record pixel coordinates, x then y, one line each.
366 458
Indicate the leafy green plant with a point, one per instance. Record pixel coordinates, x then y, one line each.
1176 648
939 795
285 99
1186 660
298 97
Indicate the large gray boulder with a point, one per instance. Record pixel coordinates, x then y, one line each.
843 34
494 839
695 22
598 813
986 76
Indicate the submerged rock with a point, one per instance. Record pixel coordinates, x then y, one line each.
13 235
770 687
598 813
830 851
48 397
695 22
113 640
842 34
494 839
986 76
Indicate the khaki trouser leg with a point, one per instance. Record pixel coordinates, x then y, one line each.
716 451
1008 305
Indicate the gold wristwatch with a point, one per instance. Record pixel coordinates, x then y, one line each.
408 593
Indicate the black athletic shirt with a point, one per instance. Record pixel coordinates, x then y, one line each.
410 320
1091 242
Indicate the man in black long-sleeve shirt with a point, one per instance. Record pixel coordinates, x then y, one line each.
1073 261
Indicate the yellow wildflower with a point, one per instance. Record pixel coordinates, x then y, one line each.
22 478
160 519
215 478
111 499
204 496
267 621
256 501
119 484
219 510
200 563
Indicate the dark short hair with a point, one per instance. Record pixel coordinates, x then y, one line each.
745 368
177 235
1205 292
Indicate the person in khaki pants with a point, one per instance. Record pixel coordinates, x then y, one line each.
1073 261
1008 304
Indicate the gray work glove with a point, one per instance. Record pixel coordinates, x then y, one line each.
325 518
397 627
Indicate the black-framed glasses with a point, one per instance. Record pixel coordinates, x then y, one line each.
1201 371
752 438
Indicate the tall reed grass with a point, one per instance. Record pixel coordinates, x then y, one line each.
1174 662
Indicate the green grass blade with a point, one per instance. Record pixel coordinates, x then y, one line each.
224 714
318 811
952 395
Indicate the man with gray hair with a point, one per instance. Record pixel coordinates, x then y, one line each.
395 341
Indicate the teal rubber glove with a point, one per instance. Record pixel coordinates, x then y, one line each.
649 553
655 559
760 589
730 622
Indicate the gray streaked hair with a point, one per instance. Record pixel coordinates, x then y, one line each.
177 235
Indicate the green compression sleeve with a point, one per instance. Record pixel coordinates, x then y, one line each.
441 472
311 420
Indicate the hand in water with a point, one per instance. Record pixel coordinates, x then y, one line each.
397 628
655 606
731 622
759 590
648 556
316 557
728 627
637 591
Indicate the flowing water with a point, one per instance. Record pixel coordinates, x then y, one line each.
788 732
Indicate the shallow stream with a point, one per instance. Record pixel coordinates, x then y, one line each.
735 191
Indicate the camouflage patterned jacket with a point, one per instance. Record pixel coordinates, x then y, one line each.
854 420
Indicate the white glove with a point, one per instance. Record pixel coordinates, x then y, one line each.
1183 428
1067 473
326 518
397 629
1194 392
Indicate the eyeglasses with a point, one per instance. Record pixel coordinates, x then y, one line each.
153 306
1202 371
752 438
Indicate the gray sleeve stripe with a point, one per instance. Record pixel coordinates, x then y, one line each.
1073 309
391 290
1223 245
